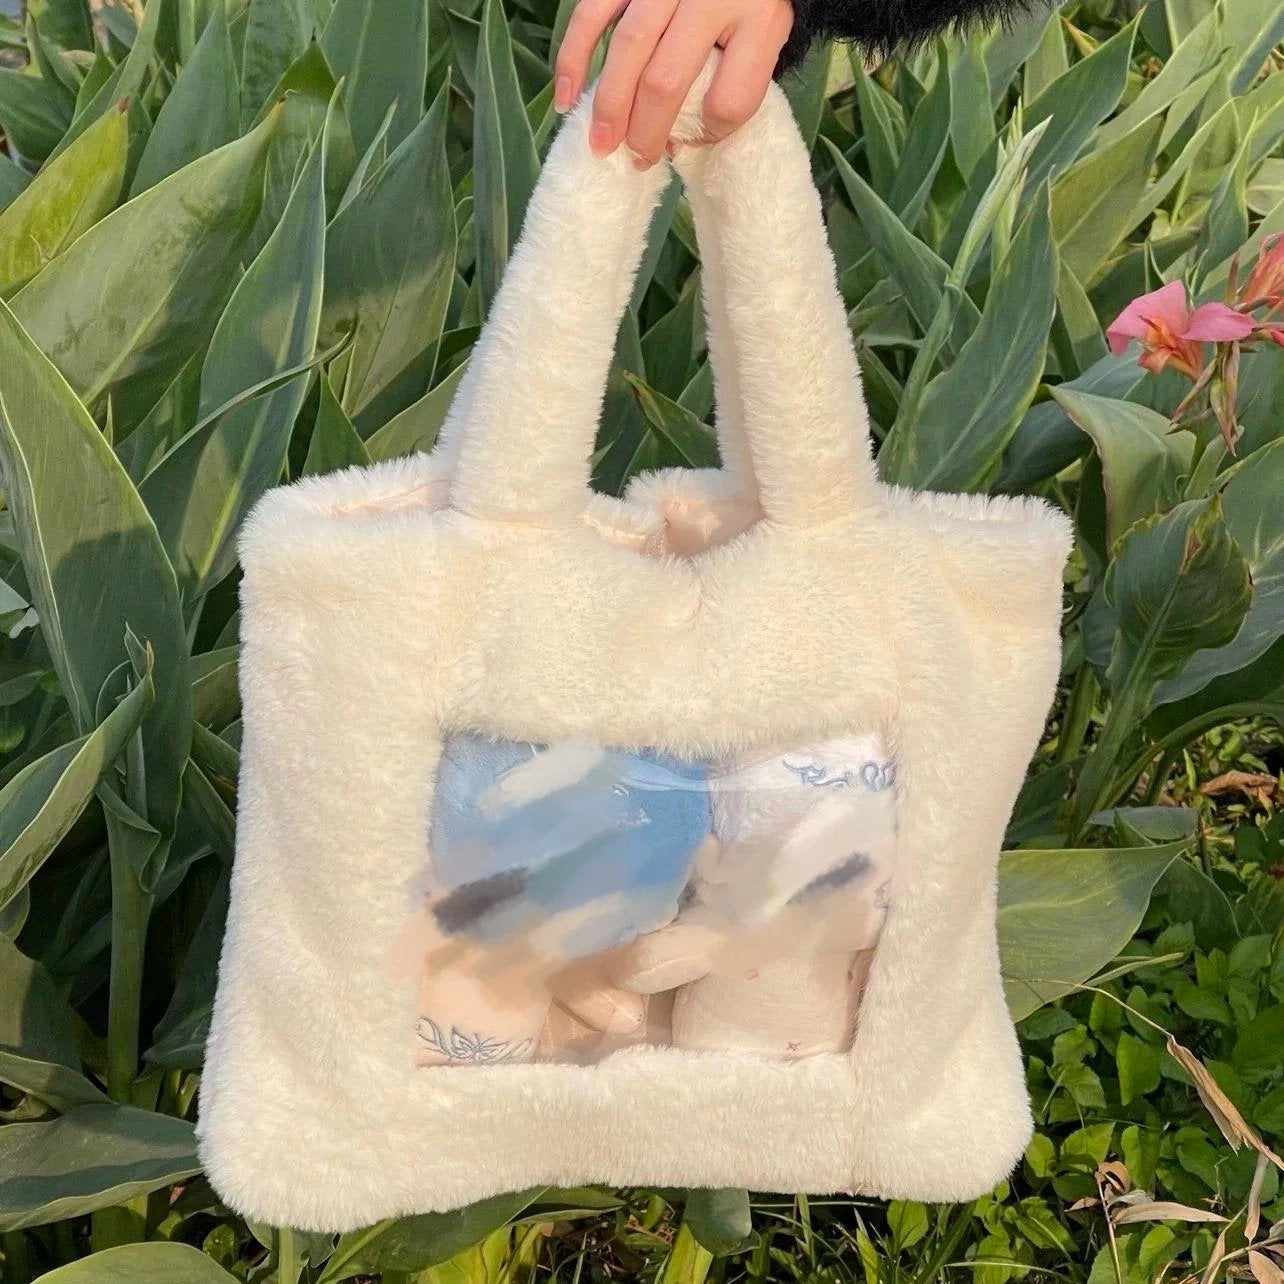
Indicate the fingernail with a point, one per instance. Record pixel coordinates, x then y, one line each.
641 162
601 138
562 94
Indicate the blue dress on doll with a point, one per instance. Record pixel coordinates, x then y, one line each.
588 846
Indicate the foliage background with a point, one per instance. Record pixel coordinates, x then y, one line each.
221 268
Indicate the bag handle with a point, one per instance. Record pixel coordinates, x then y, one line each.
526 419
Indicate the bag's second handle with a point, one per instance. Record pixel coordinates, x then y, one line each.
527 415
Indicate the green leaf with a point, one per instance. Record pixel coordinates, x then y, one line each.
202 112
142 289
1138 1065
1259 1042
96 570
277 33
415 1243
215 696
154 1263
1063 915
972 119
181 1034
1142 461
307 104
38 1045
1189 61
918 270
1093 204
416 428
66 198
907 1222
14 180
1196 899
1078 102
389 261
381 51
42 802
65 23
33 114
688 1261
1225 226
1048 440
681 439
719 1219
955 438
201 491
1178 584
1250 499
126 81
1077 338
926 138
1252 29
1048 61
93 1157
505 162
882 129
1202 1005
334 443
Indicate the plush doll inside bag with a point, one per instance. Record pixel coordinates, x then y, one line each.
637 841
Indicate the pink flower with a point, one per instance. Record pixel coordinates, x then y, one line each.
1218 323
1159 321
1267 281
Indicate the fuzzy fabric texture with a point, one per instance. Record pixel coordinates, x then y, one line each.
881 28
384 608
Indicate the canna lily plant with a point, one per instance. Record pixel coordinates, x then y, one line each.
1173 335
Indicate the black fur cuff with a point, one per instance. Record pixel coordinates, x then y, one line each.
884 27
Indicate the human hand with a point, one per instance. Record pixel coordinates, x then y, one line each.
655 54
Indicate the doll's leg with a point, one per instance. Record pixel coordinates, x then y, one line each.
469 1015
786 1007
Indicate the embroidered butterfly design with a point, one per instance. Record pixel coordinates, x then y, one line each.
475 1048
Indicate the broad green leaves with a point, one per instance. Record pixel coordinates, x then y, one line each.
1179 584
67 198
955 437
203 488
1064 915
38 1043
96 570
381 51
202 112
1251 500
133 296
1141 462
40 804
92 1157
389 261
719 1219
414 1243
155 1263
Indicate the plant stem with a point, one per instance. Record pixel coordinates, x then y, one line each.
130 911
289 1264
1078 714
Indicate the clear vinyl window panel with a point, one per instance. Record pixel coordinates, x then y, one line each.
578 898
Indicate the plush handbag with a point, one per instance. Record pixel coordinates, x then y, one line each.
636 841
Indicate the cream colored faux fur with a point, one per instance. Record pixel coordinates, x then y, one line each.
375 621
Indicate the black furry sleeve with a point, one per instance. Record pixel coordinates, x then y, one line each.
881 27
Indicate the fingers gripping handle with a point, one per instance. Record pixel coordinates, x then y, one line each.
527 419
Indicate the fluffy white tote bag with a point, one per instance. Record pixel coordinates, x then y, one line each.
424 637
